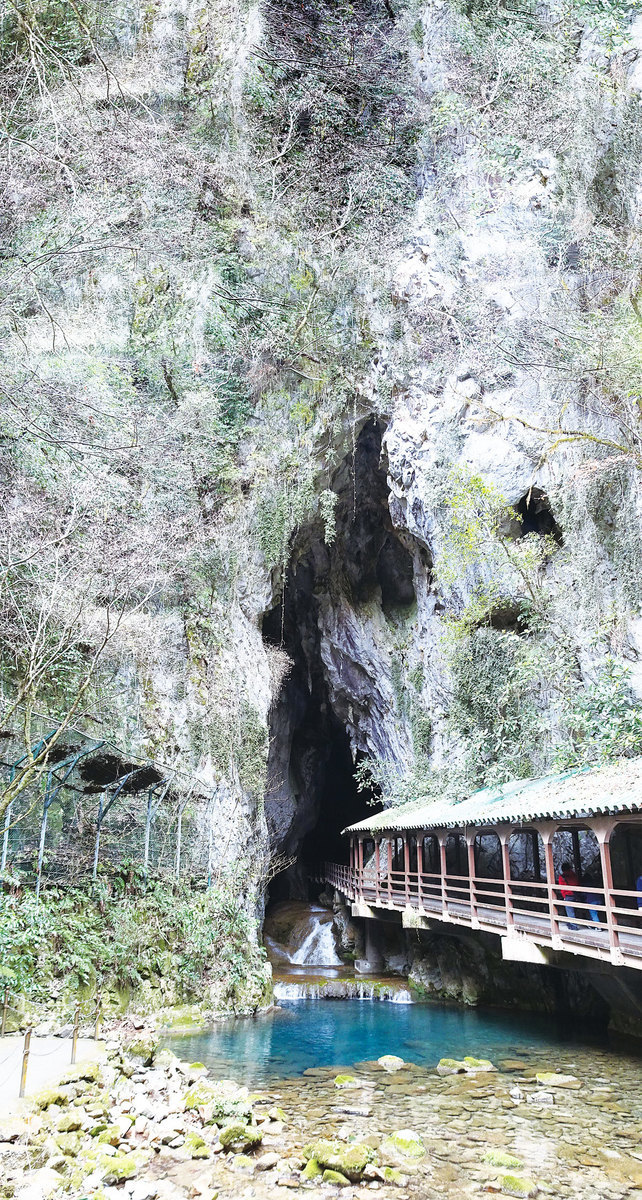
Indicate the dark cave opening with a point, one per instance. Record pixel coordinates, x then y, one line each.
537 516
312 792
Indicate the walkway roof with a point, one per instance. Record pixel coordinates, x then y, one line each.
583 792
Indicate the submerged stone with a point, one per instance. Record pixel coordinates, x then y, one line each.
501 1158
556 1079
451 1066
517 1185
404 1142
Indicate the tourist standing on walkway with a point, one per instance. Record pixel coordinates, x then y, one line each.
568 881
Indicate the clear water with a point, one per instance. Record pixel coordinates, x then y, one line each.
317 1033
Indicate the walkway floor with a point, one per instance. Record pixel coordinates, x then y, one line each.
49 1058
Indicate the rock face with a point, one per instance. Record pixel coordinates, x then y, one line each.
365 392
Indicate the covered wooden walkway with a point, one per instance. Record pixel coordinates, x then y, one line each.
493 862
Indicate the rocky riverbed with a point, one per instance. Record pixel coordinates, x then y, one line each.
146 1126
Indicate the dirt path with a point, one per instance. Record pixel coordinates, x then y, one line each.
48 1059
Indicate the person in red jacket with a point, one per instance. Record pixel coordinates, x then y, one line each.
568 880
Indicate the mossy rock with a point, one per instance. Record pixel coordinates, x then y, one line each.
69 1123
82 1072
195 1146
347 1158
49 1096
110 1136
68 1143
501 1158
346 1081
222 1101
142 1049
478 1064
243 1163
393 1175
312 1170
165 1059
336 1178
237 1136
451 1066
119 1167
518 1185
404 1143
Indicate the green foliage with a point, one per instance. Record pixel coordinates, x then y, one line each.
74 941
603 720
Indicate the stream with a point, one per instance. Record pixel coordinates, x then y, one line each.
559 1113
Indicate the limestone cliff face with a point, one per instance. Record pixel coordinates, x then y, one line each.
355 343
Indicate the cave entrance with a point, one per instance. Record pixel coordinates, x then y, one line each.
319 729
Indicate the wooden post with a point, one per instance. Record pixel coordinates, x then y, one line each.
537 868
406 866
74 1036
360 866
470 845
442 868
97 1019
577 857
607 880
25 1062
504 838
389 870
550 880
377 867
5 1009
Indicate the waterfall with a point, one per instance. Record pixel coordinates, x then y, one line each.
341 989
318 949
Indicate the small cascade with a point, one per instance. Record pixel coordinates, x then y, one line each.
341 989
319 948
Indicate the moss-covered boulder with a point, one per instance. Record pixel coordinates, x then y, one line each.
347 1158
117 1167
394 1175
68 1143
221 1101
312 1170
518 1185
110 1136
239 1137
451 1066
49 1096
336 1178
196 1146
501 1158
403 1144
82 1072
69 1122
142 1049
346 1081
477 1065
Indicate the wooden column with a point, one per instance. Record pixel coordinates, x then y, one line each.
504 838
537 868
470 843
577 857
377 867
360 865
442 868
609 899
406 866
389 869
547 838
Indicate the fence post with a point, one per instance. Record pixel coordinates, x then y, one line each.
25 1060
5 1007
5 837
97 1018
74 1038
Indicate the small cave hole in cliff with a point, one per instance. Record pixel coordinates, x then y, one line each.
321 715
537 515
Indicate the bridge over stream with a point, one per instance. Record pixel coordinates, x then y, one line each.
493 862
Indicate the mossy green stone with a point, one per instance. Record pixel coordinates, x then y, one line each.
123 1166
348 1158
556 1079
68 1143
346 1081
517 1185
450 1066
393 1175
195 1146
405 1142
242 1161
312 1170
500 1158
237 1136
82 1072
478 1064
49 1096
336 1178
110 1136
69 1123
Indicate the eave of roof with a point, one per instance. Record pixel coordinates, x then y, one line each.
584 792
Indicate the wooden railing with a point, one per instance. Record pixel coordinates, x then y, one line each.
602 923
